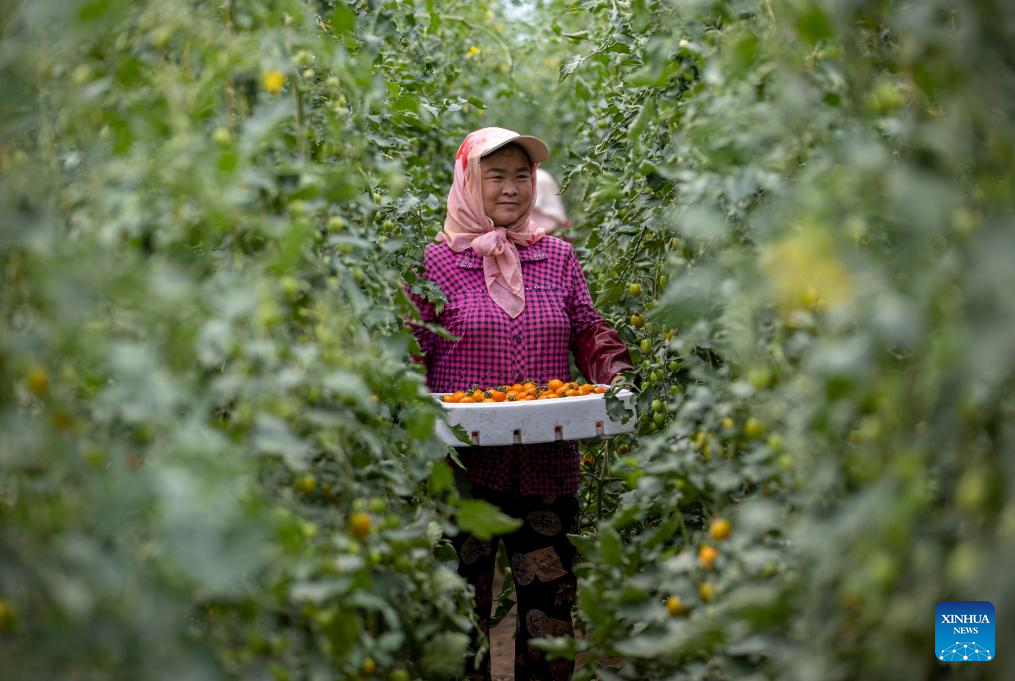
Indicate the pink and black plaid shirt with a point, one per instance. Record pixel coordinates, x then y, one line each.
493 349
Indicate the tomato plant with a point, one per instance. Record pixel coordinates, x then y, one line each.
217 459
799 184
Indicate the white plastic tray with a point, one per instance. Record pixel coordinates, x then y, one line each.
528 422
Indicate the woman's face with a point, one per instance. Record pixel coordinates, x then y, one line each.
507 185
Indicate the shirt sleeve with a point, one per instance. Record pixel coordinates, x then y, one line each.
579 303
600 353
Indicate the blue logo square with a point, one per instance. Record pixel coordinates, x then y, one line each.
964 631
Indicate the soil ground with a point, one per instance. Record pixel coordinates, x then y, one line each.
502 640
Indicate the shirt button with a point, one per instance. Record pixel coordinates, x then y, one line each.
518 338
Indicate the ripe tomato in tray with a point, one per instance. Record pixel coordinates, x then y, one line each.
526 413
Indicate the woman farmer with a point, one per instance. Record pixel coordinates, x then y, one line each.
517 304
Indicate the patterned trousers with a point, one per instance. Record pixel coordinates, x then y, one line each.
542 561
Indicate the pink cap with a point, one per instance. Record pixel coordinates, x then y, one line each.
495 138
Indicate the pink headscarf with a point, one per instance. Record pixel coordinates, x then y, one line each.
467 225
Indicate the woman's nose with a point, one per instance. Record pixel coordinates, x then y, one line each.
510 188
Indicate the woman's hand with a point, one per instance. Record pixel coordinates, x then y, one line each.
619 378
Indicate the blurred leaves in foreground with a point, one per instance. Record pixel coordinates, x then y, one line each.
819 209
217 462
215 454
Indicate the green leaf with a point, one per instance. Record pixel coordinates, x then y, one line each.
585 544
442 479
343 19
611 550
463 435
419 424
613 293
663 532
689 298
483 520
761 605
375 602
569 67
642 120
581 89
560 647
406 103
617 410
444 655
743 54
264 123
349 386
273 436
290 248
814 25
504 601
648 646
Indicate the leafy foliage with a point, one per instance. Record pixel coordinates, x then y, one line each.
816 202
215 454
217 458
